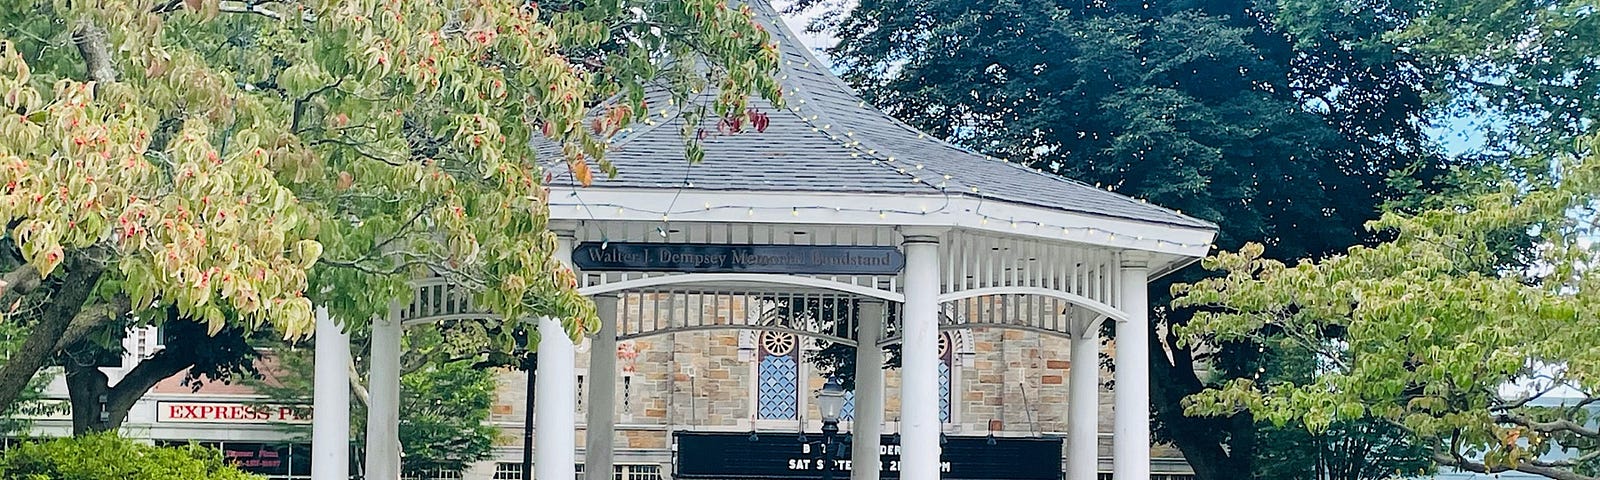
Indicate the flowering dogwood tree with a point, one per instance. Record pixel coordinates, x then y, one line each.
237 162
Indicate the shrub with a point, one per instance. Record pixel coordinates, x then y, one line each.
107 456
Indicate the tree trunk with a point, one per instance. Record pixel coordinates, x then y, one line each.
87 383
1201 440
91 42
66 304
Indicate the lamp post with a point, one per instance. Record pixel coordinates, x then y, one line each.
830 401
528 362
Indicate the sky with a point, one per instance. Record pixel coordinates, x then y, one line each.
797 24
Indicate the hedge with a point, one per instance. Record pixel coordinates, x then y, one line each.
107 456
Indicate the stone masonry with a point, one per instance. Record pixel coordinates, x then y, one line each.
1005 381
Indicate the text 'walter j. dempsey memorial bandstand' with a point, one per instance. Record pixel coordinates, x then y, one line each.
731 290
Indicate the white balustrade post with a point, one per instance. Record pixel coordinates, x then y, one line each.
383 386
1131 424
866 429
919 388
600 430
555 394
330 416
1083 412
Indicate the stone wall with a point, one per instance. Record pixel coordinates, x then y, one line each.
1008 382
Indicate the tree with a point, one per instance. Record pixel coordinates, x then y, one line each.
447 387
1211 107
1362 448
201 356
11 336
1487 365
446 409
1526 67
239 161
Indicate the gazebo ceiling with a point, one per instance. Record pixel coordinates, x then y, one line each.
828 140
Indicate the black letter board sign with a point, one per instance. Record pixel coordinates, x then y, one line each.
715 258
781 456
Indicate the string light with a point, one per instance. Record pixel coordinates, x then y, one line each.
922 210
849 141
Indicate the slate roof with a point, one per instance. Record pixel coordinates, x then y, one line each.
827 139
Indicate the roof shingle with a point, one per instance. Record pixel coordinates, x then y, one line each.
827 139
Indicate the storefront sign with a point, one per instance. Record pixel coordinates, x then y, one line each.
258 458
269 459
716 258
780 456
217 412
43 410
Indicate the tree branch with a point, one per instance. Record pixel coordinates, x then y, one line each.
1558 426
356 387
299 110
255 7
80 274
398 234
1522 401
91 318
356 147
20 281
168 7
91 42
1460 462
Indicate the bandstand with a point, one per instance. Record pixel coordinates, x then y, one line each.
831 202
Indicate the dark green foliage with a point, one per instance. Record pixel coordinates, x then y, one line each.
442 415
1364 449
106 456
1524 68
445 395
1368 449
1208 107
1198 106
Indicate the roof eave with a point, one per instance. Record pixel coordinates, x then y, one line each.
931 211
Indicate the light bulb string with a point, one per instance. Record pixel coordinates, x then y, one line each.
850 143
1069 231
974 191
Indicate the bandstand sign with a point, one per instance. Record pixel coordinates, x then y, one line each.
716 258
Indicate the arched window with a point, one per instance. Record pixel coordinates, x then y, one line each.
778 374
946 374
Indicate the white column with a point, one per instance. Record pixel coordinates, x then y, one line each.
866 429
1131 428
330 416
555 395
383 413
1083 412
555 408
919 385
601 425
